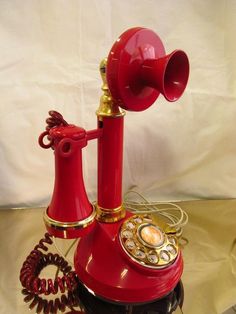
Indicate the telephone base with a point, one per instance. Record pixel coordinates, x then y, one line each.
103 267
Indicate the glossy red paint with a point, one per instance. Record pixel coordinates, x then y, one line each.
138 70
69 201
168 74
110 162
103 267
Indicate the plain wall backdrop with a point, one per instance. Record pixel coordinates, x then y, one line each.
49 57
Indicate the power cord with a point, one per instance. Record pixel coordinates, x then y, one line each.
176 218
64 255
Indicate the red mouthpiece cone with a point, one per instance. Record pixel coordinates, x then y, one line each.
169 74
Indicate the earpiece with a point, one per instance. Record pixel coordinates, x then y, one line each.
138 70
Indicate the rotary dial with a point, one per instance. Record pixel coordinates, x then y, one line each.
145 243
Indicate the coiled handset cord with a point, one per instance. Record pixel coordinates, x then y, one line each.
34 287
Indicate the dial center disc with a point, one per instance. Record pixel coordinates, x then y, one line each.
151 235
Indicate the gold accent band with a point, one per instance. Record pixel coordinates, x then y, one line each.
110 215
107 107
69 225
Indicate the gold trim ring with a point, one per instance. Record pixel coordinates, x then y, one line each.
69 225
110 215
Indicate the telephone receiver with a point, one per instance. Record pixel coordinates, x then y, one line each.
121 257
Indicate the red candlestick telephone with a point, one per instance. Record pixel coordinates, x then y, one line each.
122 258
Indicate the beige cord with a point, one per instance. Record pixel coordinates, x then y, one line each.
67 251
178 311
176 217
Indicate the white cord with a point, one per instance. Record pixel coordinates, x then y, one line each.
176 217
67 251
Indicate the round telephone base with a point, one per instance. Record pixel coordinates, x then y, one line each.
103 266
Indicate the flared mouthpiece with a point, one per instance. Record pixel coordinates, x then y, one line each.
168 75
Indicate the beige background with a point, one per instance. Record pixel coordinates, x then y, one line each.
49 57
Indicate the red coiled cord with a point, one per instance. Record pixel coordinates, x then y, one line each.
35 286
52 306
55 119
